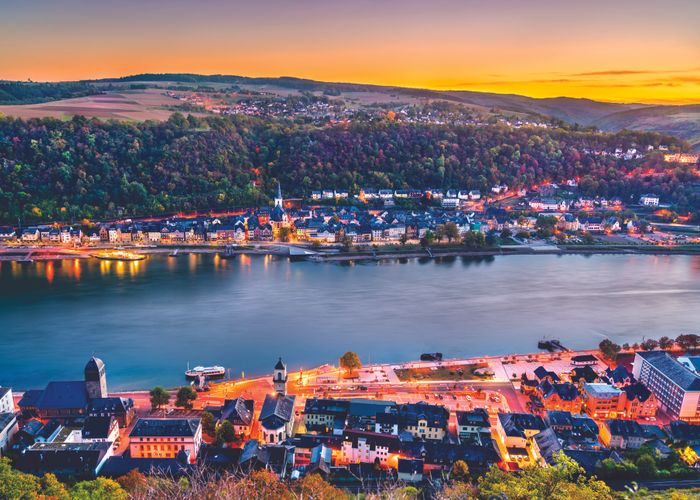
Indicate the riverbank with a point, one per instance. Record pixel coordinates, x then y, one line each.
333 254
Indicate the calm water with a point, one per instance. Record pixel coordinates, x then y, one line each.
148 319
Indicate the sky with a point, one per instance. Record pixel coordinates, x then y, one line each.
612 50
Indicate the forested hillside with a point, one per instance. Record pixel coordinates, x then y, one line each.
60 170
31 92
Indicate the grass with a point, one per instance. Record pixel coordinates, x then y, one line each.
454 372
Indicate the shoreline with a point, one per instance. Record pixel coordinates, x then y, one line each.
21 255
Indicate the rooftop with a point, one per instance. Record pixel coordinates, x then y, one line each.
150 427
671 368
602 391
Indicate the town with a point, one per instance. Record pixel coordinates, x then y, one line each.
543 218
623 413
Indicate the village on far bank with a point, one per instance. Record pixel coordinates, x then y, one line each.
623 413
543 217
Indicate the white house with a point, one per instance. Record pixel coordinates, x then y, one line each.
7 404
649 200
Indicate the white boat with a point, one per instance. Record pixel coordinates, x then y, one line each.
205 371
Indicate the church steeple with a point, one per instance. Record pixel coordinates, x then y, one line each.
279 378
278 198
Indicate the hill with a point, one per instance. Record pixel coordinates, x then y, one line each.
680 121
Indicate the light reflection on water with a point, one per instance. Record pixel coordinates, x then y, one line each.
148 318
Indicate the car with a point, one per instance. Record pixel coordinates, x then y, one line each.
363 387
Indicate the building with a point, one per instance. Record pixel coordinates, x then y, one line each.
649 200
100 429
67 400
676 388
623 434
277 418
603 400
640 402
473 426
122 409
324 415
8 429
560 396
237 411
423 420
165 438
7 403
515 432
67 460
369 447
410 470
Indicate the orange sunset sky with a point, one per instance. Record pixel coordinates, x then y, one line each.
614 50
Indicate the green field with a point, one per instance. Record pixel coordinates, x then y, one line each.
455 372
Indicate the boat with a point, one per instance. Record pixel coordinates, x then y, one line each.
174 253
207 372
119 255
431 356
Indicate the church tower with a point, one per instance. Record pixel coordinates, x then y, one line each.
279 378
278 198
95 378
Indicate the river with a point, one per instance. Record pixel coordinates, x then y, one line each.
148 319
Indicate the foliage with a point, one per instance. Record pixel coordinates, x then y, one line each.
609 349
459 471
89 168
159 397
473 239
562 481
31 92
99 489
314 487
350 361
185 396
225 433
208 424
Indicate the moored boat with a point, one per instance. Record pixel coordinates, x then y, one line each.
205 371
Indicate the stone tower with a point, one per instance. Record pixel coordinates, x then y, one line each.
279 378
95 378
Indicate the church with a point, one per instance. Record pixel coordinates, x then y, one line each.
277 415
278 216
66 400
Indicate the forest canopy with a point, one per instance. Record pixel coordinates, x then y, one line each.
87 168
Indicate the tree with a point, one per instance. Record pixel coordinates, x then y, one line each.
262 484
185 396
665 343
460 471
688 341
14 484
609 349
564 480
403 239
53 488
439 233
350 362
99 488
451 231
650 345
474 239
208 424
159 398
457 491
646 466
314 487
225 433
347 244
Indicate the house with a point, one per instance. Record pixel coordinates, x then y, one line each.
541 373
423 420
49 432
66 460
7 233
575 430
439 456
122 409
239 412
100 429
547 446
560 396
277 458
30 234
591 459
515 432
623 434
640 402
277 417
583 374
165 438
474 426
368 447
324 415
362 413
683 432
676 388
8 429
649 200
619 376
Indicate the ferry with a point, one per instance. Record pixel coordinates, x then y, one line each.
205 371
119 255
